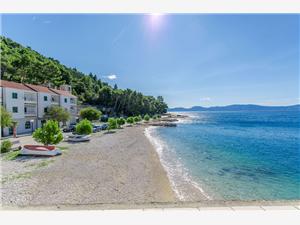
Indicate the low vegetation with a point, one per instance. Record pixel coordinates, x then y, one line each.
112 124
16 176
5 146
147 117
130 120
49 134
84 127
121 121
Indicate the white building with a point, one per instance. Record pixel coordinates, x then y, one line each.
28 104
21 102
67 100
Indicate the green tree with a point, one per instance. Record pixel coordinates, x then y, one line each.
84 127
147 117
130 120
58 113
22 64
49 134
6 119
112 124
121 121
90 113
136 119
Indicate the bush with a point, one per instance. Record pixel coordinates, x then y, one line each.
121 121
136 119
154 117
147 117
90 114
84 127
5 146
112 124
49 134
130 120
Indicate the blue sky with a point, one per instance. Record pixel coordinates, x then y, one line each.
189 59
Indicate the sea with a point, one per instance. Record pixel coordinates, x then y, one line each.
232 155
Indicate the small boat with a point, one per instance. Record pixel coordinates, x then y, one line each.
78 138
42 150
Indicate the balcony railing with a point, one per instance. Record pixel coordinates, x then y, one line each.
72 100
29 98
30 113
55 99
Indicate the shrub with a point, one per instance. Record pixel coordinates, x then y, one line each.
136 119
121 121
154 117
90 114
147 117
49 134
140 118
6 118
112 124
130 120
84 127
5 146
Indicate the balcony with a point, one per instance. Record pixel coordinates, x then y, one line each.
30 98
30 111
54 99
73 101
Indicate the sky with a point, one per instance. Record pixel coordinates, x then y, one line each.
189 59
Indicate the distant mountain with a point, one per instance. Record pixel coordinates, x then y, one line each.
248 107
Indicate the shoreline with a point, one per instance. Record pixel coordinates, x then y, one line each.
190 190
118 170
182 183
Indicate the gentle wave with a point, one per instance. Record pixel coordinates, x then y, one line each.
177 174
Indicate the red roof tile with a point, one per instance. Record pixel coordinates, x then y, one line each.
11 84
61 92
40 88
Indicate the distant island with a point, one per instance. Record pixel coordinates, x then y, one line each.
248 107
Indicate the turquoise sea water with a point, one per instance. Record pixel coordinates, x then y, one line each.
236 155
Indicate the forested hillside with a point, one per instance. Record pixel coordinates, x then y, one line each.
22 64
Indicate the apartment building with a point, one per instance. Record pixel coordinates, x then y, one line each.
21 102
28 104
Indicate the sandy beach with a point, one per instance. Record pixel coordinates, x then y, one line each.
121 167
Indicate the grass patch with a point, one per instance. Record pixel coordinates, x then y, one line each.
12 155
16 177
44 163
63 148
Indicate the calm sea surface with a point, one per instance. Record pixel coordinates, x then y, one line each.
235 155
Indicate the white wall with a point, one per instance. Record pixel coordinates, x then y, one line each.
43 104
9 102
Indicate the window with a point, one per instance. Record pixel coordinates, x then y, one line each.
25 109
15 109
14 95
45 98
66 100
27 125
45 110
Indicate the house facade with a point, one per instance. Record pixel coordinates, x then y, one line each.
21 102
28 104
